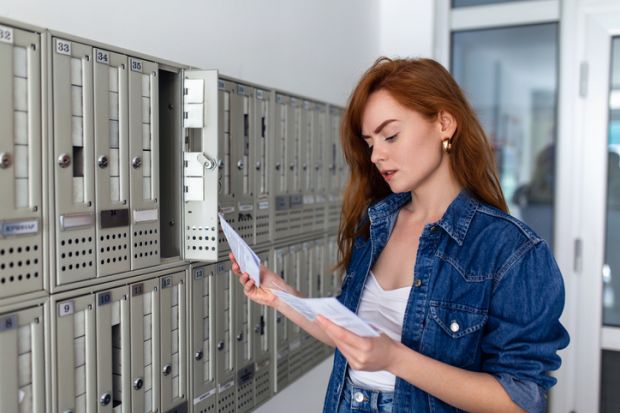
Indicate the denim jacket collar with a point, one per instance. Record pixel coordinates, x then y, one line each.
455 220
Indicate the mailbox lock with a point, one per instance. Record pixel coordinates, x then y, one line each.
305 167
220 164
279 319
105 399
136 162
278 166
5 160
240 337
102 161
258 166
64 160
292 166
220 346
138 383
198 355
166 370
240 165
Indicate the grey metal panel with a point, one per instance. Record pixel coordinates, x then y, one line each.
200 167
262 169
320 165
113 352
173 333
74 359
307 172
74 185
22 378
20 175
244 351
262 326
144 163
144 342
280 325
225 309
112 162
282 113
202 331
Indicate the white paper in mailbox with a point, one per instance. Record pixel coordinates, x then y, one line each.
329 308
247 259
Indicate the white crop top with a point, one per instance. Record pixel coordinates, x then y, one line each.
385 309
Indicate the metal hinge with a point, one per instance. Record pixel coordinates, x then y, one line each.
583 79
577 261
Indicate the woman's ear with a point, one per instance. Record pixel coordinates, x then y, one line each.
447 123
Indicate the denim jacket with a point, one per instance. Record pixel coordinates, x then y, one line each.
487 297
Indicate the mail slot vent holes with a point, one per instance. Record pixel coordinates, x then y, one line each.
262 225
201 238
227 403
114 247
19 262
146 243
245 396
76 253
210 408
263 388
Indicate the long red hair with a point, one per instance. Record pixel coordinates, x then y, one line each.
426 87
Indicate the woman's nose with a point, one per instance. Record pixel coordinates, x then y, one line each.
377 154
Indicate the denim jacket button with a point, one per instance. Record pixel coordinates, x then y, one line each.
454 326
417 282
358 397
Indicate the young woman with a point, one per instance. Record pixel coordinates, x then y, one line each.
467 298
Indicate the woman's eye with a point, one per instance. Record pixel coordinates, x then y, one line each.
389 138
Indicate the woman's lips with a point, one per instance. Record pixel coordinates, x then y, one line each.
387 175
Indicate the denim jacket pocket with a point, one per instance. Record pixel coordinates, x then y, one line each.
453 333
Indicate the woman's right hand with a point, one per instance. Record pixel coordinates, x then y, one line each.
268 279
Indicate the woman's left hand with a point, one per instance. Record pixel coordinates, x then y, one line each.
362 353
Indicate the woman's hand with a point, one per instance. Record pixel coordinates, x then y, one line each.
268 279
362 353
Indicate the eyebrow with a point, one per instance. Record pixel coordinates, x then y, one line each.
380 127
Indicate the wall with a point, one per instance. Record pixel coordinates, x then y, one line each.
316 48
406 28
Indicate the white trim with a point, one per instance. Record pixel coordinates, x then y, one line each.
610 338
505 14
441 33
567 208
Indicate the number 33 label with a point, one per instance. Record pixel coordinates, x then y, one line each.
6 34
63 47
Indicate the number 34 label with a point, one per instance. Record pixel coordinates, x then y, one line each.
6 34
63 47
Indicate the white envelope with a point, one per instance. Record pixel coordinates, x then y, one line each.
329 308
247 259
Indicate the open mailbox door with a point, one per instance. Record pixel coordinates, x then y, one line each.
200 165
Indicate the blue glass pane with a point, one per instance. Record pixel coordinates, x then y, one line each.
510 77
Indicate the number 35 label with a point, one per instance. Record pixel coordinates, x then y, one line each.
136 65
63 47
6 34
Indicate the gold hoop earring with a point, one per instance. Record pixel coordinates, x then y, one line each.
447 145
